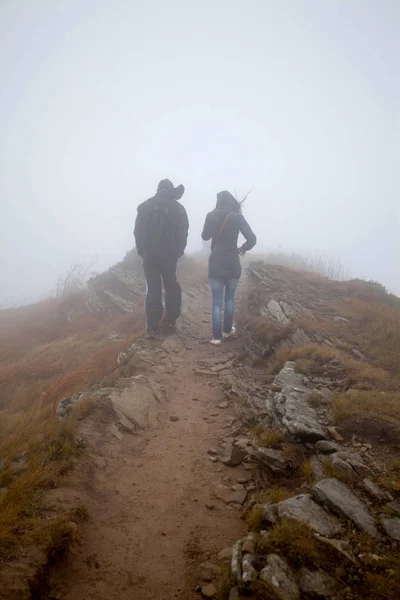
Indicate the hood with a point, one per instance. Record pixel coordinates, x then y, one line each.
225 201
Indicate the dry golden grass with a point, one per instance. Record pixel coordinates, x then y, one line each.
315 399
391 478
308 472
254 519
375 327
368 404
266 332
295 541
277 494
271 439
312 360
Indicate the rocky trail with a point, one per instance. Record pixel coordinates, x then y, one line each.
266 468
156 522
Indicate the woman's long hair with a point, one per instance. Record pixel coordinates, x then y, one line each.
241 201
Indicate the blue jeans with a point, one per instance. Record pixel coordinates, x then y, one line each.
218 286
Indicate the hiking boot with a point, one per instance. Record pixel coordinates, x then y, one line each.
167 328
152 335
231 334
215 342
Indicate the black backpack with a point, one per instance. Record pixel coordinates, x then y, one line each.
160 227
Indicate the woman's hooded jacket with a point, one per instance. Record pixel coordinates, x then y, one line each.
222 227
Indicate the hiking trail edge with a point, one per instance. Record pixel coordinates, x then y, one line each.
154 516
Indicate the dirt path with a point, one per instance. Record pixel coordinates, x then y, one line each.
153 513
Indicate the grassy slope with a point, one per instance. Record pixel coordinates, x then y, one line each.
49 350
55 348
373 328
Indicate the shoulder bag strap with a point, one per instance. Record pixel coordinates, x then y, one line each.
222 226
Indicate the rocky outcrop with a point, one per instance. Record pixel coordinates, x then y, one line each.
291 410
121 288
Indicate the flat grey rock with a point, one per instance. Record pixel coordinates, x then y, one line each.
280 576
230 496
116 432
343 469
300 338
392 527
249 573
274 460
336 495
361 469
341 548
288 310
334 433
318 584
138 403
290 410
277 313
302 508
269 513
294 414
233 456
250 543
288 376
349 456
374 490
317 467
326 447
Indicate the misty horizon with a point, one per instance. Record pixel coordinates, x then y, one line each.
297 100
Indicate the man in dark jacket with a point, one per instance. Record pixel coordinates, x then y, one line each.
161 231
223 226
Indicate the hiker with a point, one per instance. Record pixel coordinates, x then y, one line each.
161 231
222 226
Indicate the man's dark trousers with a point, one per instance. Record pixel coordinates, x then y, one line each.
158 270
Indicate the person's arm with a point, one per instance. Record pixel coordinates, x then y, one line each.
183 231
248 235
139 231
207 229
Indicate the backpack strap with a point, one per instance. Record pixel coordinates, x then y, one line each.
222 226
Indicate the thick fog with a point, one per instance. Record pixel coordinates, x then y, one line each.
100 100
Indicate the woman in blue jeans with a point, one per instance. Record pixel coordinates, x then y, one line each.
222 227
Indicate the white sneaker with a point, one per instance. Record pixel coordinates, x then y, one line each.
230 334
215 342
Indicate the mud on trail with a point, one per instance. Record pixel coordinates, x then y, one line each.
153 513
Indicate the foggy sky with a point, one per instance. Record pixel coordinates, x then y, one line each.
100 100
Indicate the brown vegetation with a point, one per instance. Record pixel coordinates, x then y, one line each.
48 351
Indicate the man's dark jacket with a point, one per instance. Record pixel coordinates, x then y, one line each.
178 225
224 259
